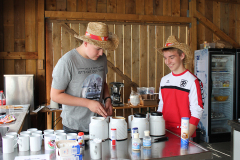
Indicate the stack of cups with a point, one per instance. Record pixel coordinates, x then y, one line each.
49 139
38 132
72 136
60 135
32 129
23 141
35 144
8 144
14 134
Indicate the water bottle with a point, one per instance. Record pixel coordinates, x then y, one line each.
136 142
2 98
147 139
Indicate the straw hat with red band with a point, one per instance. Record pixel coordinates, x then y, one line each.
173 42
97 34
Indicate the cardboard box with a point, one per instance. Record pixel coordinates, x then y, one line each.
68 150
149 100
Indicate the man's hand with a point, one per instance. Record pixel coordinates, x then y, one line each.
108 107
97 107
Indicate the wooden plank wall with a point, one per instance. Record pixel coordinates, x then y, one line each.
18 34
21 30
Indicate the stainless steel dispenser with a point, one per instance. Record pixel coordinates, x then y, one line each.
19 89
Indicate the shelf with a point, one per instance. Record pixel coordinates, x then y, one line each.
220 87
220 101
221 72
219 119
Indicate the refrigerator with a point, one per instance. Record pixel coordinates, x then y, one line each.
216 68
237 84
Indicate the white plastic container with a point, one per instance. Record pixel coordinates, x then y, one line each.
121 126
98 128
141 122
156 119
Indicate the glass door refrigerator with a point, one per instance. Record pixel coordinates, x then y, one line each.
216 69
238 84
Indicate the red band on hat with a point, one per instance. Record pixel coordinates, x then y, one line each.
98 38
168 44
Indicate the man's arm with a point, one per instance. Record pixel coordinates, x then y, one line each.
108 102
192 129
60 97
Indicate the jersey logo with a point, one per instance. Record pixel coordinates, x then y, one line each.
167 81
183 83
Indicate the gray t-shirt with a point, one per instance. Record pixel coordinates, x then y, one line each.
79 77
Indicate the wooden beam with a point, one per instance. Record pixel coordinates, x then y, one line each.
193 33
41 51
115 17
69 30
18 55
120 73
227 1
207 23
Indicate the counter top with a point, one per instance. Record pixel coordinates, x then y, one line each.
161 150
234 124
20 115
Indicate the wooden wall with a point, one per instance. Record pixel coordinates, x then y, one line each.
18 41
22 35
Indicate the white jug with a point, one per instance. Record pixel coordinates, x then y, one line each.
121 126
141 122
98 128
157 124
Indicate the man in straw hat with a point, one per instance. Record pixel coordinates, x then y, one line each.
79 79
180 91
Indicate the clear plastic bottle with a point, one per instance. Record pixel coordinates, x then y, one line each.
147 139
136 142
2 98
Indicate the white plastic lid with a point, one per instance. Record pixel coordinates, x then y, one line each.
135 135
146 133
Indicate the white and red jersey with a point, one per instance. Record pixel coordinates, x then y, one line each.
180 96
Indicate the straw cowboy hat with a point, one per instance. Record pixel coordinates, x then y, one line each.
97 34
173 42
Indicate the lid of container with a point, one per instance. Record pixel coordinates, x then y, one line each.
146 133
156 113
80 133
135 135
140 115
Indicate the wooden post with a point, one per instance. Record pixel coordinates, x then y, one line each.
193 32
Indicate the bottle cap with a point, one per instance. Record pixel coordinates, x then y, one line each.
80 133
146 133
135 135
113 129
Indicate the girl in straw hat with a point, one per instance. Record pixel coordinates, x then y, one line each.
180 91
79 79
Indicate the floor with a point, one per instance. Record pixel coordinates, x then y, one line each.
221 150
